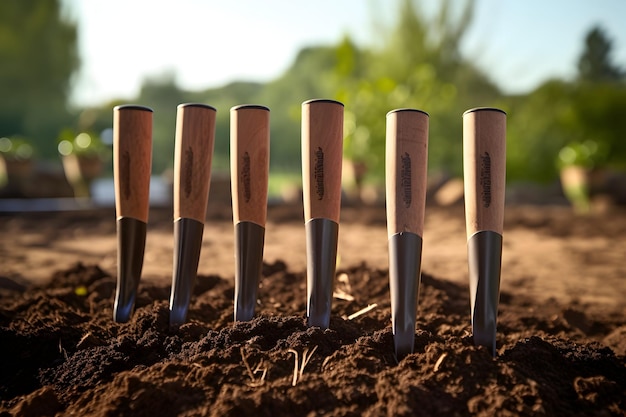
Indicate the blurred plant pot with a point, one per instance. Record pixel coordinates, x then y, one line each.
15 169
353 175
15 173
81 170
576 184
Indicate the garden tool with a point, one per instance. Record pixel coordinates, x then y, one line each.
484 161
322 150
406 170
193 154
249 165
132 162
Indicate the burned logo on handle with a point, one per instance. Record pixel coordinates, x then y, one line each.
405 179
318 173
245 176
125 172
485 179
187 182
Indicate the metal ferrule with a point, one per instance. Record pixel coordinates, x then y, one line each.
321 254
249 241
405 262
187 246
484 250
131 243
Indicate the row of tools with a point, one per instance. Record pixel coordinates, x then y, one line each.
406 157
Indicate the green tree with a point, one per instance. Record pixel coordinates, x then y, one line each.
310 76
223 98
162 95
419 65
559 114
541 125
38 51
595 63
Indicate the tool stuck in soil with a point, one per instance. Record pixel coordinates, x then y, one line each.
484 159
132 160
193 155
249 164
322 151
406 159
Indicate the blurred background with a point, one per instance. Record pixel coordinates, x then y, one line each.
557 68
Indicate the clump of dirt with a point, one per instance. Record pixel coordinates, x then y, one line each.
63 354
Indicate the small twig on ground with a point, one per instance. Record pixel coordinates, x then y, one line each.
326 361
263 370
251 373
344 289
62 350
306 356
362 311
439 361
294 381
341 295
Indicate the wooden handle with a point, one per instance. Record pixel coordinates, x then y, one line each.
406 170
484 166
193 154
322 151
249 162
132 160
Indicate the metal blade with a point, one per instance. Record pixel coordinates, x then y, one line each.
131 241
249 241
187 246
485 260
405 260
321 235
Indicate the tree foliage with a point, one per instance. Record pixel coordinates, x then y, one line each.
417 63
585 114
595 63
38 51
420 66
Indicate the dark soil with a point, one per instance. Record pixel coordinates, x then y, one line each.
62 354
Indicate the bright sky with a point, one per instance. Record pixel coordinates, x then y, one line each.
207 43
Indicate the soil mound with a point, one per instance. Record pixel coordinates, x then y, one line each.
63 354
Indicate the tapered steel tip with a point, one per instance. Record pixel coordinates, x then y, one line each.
319 319
321 235
485 258
405 261
244 314
178 314
187 246
131 235
249 241
179 299
404 342
122 311
485 335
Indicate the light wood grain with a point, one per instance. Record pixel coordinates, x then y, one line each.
249 162
406 165
484 166
322 150
193 155
132 160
